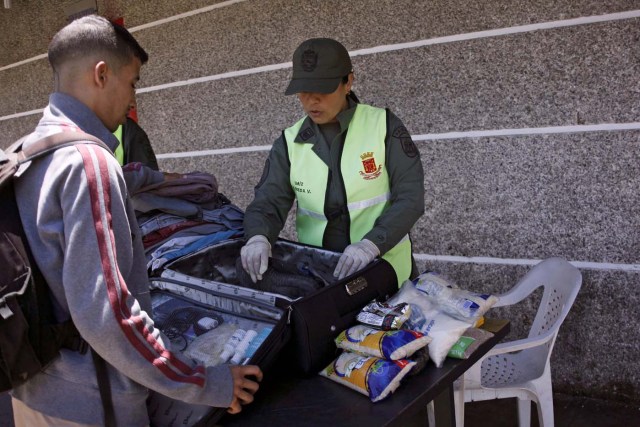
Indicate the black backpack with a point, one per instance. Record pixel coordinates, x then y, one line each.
29 336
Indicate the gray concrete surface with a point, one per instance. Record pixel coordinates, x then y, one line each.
569 411
523 196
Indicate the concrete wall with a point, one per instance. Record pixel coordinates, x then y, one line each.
529 134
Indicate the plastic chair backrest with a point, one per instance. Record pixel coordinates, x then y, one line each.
561 282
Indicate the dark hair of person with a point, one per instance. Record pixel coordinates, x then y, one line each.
351 94
93 34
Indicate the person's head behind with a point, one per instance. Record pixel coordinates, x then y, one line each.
322 77
98 63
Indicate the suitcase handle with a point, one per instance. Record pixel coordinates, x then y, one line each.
354 286
362 288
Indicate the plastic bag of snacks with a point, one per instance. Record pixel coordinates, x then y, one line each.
391 345
468 342
384 316
463 305
371 376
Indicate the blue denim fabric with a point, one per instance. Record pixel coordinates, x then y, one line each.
191 247
156 222
229 215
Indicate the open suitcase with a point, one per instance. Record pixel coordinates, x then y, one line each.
205 290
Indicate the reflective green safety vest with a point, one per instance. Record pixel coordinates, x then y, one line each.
119 149
365 178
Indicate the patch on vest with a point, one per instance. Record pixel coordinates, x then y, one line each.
371 170
306 134
309 60
404 136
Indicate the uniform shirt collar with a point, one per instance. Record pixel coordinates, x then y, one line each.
309 131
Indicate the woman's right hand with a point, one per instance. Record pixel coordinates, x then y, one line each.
255 256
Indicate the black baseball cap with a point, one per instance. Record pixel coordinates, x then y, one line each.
319 66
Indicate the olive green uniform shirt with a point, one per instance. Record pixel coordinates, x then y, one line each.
274 196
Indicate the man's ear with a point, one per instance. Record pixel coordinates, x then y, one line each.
100 74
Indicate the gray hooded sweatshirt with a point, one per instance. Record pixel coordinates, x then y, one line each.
82 230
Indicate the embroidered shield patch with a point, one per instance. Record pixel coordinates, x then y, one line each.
369 165
404 136
309 60
371 170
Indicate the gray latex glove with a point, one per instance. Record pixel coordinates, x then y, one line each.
255 256
355 257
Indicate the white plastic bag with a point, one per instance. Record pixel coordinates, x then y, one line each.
426 318
463 305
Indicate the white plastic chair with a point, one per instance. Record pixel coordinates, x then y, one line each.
521 368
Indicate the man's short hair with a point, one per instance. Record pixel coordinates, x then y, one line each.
93 34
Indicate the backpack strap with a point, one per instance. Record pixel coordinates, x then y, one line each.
14 155
104 387
66 333
53 142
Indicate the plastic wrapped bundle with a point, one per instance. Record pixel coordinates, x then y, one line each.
371 376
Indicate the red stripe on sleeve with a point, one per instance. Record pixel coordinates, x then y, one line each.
133 326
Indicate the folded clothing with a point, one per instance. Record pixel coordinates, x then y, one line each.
178 247
196 187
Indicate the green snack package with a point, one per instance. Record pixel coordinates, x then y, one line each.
468 342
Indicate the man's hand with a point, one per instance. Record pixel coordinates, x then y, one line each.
243 387
355 257
255 256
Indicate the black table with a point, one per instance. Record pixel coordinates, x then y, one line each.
318 401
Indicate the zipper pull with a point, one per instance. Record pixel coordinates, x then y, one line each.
289 309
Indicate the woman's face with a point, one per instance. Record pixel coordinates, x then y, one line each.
324 107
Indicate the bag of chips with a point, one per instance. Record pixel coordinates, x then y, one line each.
391 345
371 376
384 316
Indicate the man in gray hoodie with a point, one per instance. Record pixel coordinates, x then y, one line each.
82 230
